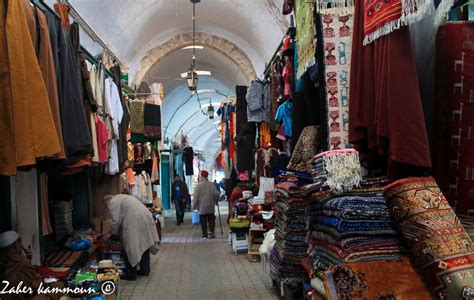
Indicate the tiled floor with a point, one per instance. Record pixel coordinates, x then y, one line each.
188 267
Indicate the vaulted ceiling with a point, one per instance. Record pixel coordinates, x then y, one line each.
239 36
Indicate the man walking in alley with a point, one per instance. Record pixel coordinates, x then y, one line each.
205 199
180 193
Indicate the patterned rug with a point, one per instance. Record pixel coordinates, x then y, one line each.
337 37
395 279
441 247
454 126
305 36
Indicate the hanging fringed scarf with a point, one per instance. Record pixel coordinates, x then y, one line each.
382 17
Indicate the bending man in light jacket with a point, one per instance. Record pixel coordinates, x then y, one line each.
139 233
205 199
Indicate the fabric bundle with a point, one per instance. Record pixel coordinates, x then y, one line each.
355 226
337 38
290 245
442 249
338 169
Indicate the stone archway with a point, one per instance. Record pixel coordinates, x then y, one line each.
223 46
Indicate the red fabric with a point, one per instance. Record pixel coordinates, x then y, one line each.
103 137
204 173
454 111
386 116
380 12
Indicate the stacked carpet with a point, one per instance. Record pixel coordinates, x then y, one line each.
290 245
351 227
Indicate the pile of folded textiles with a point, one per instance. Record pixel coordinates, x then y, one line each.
298 178
290 234
355 226
338 169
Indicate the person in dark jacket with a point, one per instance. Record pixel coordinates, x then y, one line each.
179 195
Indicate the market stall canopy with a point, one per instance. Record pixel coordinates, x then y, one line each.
238 36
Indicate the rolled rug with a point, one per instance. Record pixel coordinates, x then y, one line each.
440 246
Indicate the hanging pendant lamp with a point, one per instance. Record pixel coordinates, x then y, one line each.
192 78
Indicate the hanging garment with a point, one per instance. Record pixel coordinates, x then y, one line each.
76 134
188 157
307 108
122 142
48 69
157 93
258 106
337 37
284 114
178 165
137 116
26 118
453 159
103 138
63 11
246 132
152 122
288 78
266 158
287 7
155 171
386 117
45 217
143 91
130 152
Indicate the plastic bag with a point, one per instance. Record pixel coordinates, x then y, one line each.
195 217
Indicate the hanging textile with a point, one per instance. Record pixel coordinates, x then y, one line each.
188 157
76 133
137 116
44 196
454 108
152 122
63 11
48 69
386 117
304 35
26 118
122 142
337 37
383 17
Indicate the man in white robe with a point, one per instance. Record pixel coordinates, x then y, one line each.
139 234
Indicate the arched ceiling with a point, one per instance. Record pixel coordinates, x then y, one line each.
247 31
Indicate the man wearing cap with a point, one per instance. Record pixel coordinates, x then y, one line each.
135 223
16 269
205 199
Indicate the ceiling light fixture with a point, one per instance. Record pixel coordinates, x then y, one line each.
210 110
193 47
203 73
191 77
